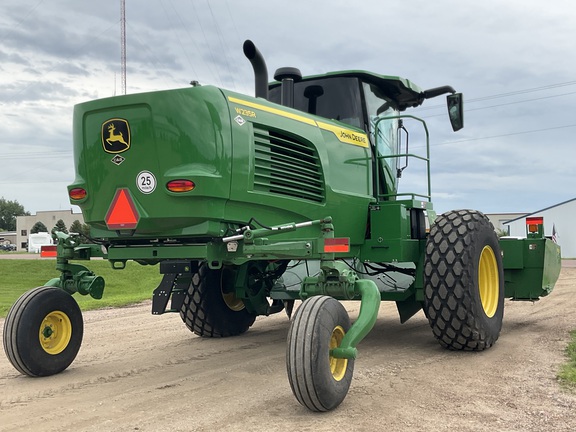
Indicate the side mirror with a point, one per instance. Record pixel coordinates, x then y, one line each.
456 110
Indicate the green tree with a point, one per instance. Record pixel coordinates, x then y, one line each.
8 212
82 230
86 233
76 227
38 227
61 226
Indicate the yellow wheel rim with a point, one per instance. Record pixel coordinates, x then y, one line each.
55 332
337 365
233 302
488 281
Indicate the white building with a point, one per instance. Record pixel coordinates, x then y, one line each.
49 218
558 220
499 219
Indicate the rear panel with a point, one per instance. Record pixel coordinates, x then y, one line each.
247 157
140 143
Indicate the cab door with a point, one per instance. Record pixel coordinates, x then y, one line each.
383 123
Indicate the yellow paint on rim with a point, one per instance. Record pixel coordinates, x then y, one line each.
233 302
488 281
228 295
337 365
55 332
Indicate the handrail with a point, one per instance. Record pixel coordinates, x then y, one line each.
411 155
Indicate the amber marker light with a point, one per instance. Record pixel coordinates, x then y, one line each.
533 222
77 194
180 186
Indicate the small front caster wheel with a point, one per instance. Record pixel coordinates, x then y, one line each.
319 381
43 332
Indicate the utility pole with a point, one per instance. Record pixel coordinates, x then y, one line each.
123 44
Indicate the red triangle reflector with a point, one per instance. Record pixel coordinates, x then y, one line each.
122 213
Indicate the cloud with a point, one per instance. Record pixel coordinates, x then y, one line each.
510 156
13 58
23 91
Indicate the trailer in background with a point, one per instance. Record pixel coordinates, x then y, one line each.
36 241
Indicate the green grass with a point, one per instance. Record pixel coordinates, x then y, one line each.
123 287
567 374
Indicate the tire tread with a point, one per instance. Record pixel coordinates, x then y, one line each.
205 314
450 306
306 379
17 347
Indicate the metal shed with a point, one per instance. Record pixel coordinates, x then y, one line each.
559 222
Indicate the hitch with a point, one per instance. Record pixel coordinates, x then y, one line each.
346 285
338 280
369 306
76 277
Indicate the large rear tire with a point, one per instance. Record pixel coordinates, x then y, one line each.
210 309
319 381
43 332
464 281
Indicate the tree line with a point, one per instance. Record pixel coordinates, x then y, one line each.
9 210
76 227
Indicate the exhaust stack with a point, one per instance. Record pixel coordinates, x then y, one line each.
260 69
288 76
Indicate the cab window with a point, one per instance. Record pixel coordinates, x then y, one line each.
335 98
377 106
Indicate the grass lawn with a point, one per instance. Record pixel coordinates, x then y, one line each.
131 285
567 374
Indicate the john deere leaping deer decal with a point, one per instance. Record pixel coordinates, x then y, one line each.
115 135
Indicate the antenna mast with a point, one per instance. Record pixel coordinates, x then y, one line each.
123 44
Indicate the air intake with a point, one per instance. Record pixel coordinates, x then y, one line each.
285 166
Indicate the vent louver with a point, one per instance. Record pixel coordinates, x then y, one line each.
284 166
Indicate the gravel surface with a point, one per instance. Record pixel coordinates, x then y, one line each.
138 372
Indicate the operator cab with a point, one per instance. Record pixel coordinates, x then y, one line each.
357 99
360 99
349 97
364 100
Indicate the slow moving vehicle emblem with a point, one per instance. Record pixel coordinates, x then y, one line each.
115 135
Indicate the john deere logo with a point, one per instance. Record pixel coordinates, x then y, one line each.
115 135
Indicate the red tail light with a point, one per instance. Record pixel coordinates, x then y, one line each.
180 186
77 193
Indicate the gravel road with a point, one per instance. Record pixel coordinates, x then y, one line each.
138 372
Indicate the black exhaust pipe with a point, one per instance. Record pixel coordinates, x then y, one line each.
260 69
288 76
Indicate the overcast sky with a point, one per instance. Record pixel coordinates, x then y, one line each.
514 60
